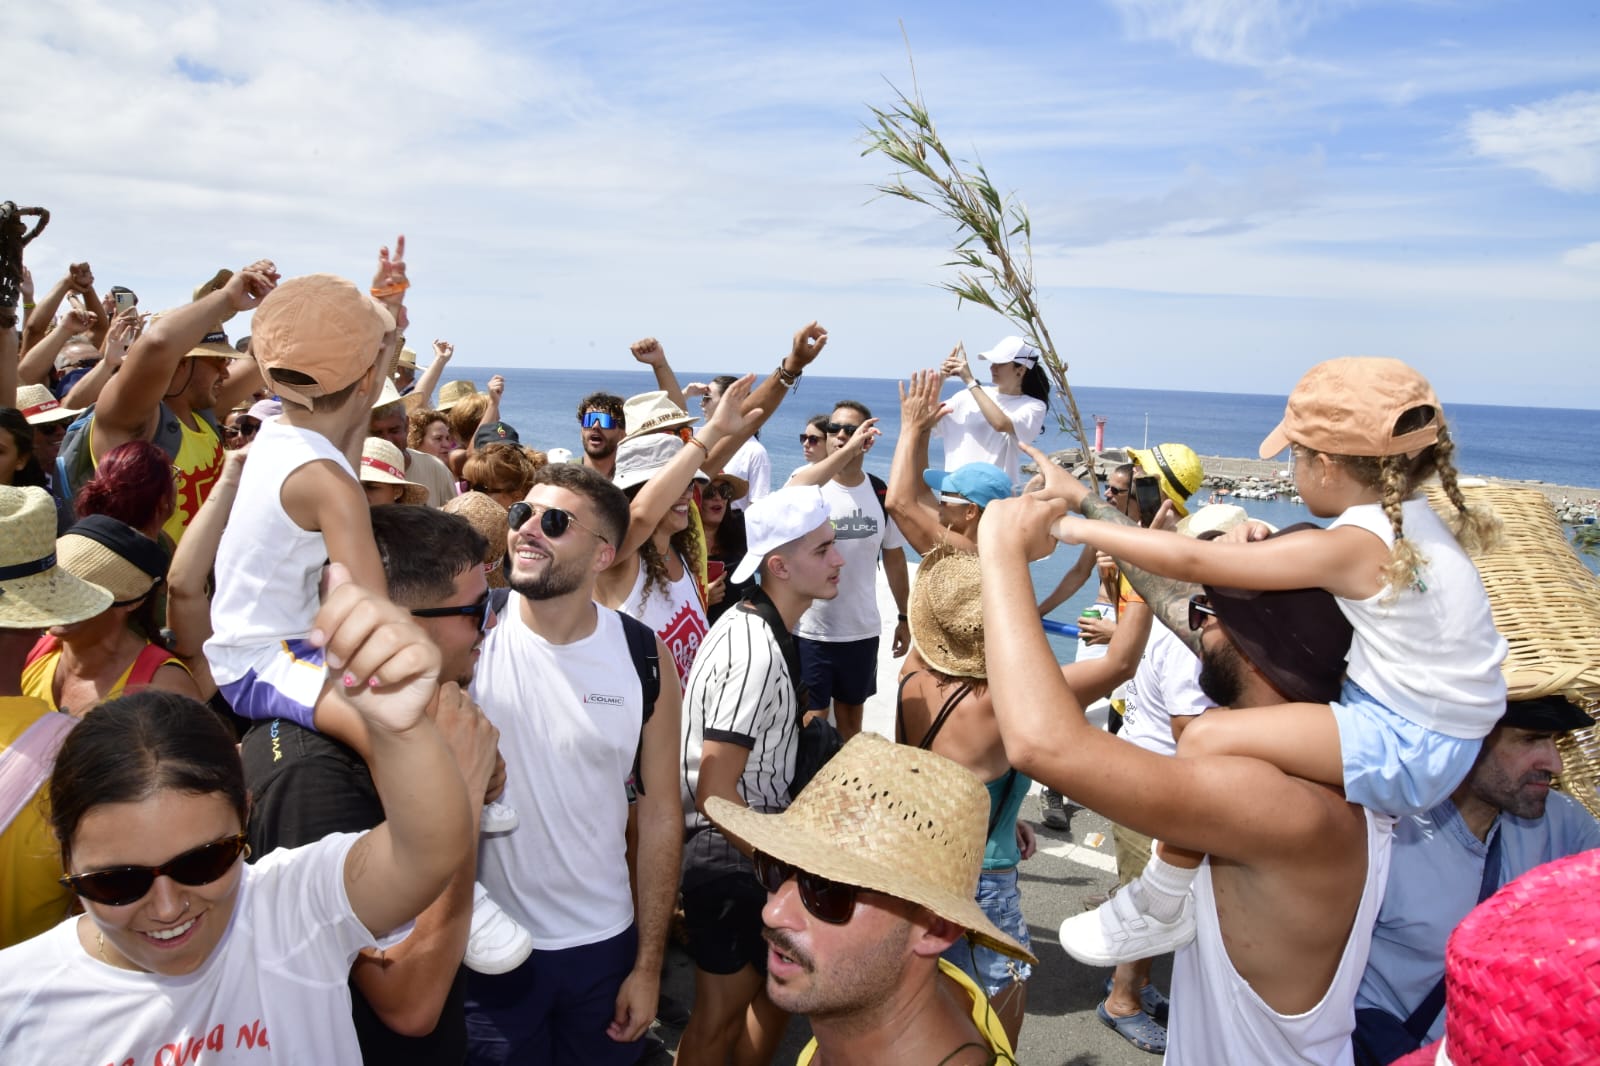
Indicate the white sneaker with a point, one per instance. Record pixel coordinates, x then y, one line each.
498 817
496 944
1117 932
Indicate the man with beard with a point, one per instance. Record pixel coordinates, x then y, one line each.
1285 903
600 416
407 1000
556 680
1501 822
171 380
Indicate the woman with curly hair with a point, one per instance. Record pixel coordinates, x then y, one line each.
503 472
429 431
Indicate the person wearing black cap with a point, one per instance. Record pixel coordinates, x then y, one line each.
1285 904
1501 822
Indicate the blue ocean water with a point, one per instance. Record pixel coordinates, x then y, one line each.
1549 444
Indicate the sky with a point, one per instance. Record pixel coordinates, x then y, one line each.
1222 192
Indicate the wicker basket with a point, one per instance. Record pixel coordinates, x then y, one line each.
1547 606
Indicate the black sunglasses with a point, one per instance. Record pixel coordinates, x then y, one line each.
811 438
479 608
829 901
553 521
1199 608
598 420
1112 490
847 428
122 885
721 489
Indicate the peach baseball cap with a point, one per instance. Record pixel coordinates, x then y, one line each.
321 326
1350 406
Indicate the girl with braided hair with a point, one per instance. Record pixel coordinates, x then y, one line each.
1423 685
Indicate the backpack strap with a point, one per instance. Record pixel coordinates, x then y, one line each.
880 490
152 657
642 650
27 762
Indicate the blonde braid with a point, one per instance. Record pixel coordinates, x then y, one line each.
1404 569
1476 529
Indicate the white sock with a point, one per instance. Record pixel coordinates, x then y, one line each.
1161 888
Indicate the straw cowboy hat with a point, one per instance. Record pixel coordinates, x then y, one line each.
40 406
407 358
384 464
946 613
453 392
484 514
112 554
740 487
1519 970
36 593
890 818
652 412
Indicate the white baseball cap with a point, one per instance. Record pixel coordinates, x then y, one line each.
776 519
1012 350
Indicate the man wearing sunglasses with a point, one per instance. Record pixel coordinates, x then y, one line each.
1286 902
867 878
600 418
408 1001
557 679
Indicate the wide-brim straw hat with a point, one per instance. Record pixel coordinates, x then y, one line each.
384 464
1216 518
453 392
890 818
1522 973
946 613
387 394
35 592
40 406
484 514
652 412
112 554
741 487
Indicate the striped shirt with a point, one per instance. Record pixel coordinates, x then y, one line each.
740 693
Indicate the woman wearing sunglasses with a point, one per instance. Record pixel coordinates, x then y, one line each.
723 525
815 438
185 952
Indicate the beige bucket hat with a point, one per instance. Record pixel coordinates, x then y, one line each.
890 818
652 412
36 593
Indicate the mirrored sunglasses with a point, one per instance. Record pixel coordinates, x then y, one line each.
122 885
1199 610
830 901
479 608
553 521
598 420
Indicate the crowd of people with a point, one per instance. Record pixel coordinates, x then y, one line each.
340 723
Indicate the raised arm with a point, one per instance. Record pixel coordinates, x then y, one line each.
909 501
764 399
188 606
37 361
37 321
827 468
651 354
398 868
442 351
1211 804
955 365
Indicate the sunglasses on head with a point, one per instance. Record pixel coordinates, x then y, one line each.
553 521
847 428
478 608
720 489
812 438
830 901
122 885
598 420
1199 610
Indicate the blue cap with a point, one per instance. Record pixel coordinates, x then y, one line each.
982 483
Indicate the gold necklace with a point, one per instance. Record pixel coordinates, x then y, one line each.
100 944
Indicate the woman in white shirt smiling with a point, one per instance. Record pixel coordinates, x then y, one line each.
985 422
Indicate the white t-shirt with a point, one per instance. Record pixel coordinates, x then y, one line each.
969 438
1165 686
569 717
752 463
268 568
426 470
861 531
1432 656
275 990
740 692
678 617
1218 1017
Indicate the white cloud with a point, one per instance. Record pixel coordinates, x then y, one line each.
1558 139
1585 257
1242 32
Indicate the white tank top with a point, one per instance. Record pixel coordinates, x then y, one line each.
268 568
678 618
569 718
1216 1017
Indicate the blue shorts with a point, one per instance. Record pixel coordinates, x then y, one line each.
845 671
554 1008
284 682
1001 900
1392 765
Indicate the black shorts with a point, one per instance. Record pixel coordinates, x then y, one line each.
846 671
723 919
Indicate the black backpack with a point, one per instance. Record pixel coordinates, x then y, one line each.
641 649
